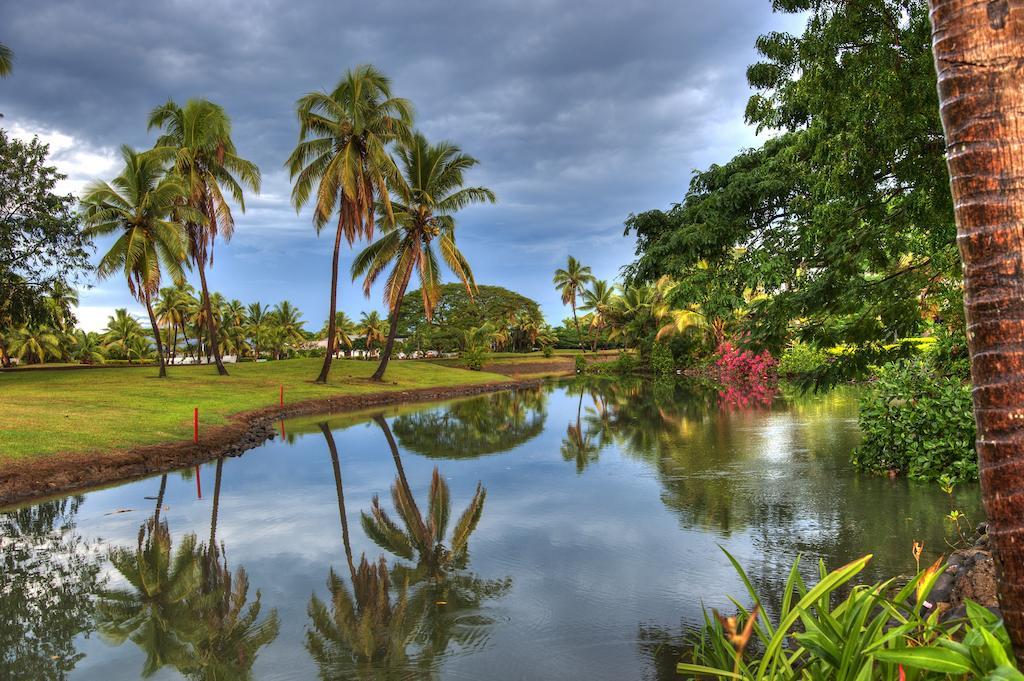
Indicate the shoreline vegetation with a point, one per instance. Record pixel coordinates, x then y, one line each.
67 430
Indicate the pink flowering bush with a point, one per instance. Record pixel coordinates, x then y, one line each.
748 379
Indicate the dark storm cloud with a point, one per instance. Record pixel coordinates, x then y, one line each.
580 112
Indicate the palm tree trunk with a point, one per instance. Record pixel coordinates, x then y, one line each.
211 323
339 489
332 322
403 481
174 343
978 49
392 330
579 334
160 499
156 334
216 506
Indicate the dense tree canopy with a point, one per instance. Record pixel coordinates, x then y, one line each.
839 229
41 242
456 312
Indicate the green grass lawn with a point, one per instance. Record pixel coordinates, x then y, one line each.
90 410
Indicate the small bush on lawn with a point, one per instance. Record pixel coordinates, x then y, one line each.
581 365
547 351
801 359
474 359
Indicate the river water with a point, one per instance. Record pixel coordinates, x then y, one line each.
595 540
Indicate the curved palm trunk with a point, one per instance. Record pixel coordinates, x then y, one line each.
216 507
332 322
392 330
579 334
339 488
160 499
156 335
401 472
978 49
211 323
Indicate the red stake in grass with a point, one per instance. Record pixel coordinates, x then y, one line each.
282 395
195 425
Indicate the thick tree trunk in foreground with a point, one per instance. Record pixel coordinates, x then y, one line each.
979 56
332 322
211 323
156 335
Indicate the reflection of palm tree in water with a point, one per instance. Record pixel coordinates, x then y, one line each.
578 444
184 608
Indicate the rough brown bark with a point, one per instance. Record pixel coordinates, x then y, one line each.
979 56
332 326
378 375
211 323
156 335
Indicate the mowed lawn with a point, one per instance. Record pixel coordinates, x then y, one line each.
92 410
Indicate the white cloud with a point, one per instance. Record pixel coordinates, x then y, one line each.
81 162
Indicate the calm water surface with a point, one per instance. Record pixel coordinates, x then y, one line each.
595 547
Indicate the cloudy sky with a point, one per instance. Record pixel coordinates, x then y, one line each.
579 112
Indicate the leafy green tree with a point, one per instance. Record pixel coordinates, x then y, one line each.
42 245
208 164
456 311
122 328
288 319
139 207
342 157
596 301
425 197
258 321
843 217
372 328
570 282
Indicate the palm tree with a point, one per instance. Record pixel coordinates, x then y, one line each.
87 347
569 282
210 167
422 539
121 330
578 444
59 301
342 157
35 344
215 307
371 328
977 50
596 300
6 61
344 330
258 323
154 612
138 206
424 201
289 320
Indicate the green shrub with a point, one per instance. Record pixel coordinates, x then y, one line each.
917 421
662 362
474 358
547 351
875 632
800 359
626 362
581 365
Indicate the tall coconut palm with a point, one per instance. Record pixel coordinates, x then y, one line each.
138 207
35 344
289 320
6 61
344 330
569 282
978 48
342 159
258 324
372 328
424 200
596 300
208 163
